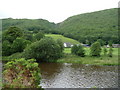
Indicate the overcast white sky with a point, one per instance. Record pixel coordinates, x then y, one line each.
52 10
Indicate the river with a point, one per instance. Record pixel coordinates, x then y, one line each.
58 75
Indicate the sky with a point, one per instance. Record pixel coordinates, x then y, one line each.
51 10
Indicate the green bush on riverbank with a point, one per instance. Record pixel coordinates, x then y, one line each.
21 73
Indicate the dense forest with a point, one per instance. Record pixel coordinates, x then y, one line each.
86 28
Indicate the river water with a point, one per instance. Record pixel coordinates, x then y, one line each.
57 75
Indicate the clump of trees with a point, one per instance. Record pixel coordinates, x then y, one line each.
44 50
21 73
95 49
13 41
78 50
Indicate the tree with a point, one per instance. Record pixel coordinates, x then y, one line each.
81 51
105 51
78 50
44 50
95 49
6 48
74 49
110 43
60 43
39 35
101 42
19 44
110 53
12 33
21 73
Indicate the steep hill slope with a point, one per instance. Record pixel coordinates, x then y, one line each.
92 26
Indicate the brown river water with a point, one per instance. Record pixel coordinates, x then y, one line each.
58 75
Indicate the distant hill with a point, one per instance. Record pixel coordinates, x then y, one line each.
85 28
29 24
91 26
64 39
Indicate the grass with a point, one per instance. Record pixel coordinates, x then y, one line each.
70 58
64 39
103 60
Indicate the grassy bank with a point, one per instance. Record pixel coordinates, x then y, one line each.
103 60
70 58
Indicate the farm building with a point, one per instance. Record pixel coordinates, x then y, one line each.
67 44
116 45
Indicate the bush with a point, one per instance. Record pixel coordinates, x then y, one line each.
78 50
19 44
74 49
95 49
105 51
6 48
81 51
21 73
110 53
44 50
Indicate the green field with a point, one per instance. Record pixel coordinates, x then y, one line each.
64 39
103 60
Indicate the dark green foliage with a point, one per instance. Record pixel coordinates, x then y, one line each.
74 49
6 48
12 33
81 51
43 50
92 26
21 73
95 49
19 44
29 36
102 43
60 43
39 35
110 53
34 25
13 41
110 43
105 51
78 50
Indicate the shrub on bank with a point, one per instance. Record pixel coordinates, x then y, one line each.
21 73
95 49
78 50
44 50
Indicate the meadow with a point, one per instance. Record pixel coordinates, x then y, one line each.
64 39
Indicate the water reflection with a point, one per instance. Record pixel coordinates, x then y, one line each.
65 75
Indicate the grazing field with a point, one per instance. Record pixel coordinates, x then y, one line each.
64 39
103 60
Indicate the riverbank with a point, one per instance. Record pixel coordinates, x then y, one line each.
102 60
70 58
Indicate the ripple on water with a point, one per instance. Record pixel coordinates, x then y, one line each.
78 76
